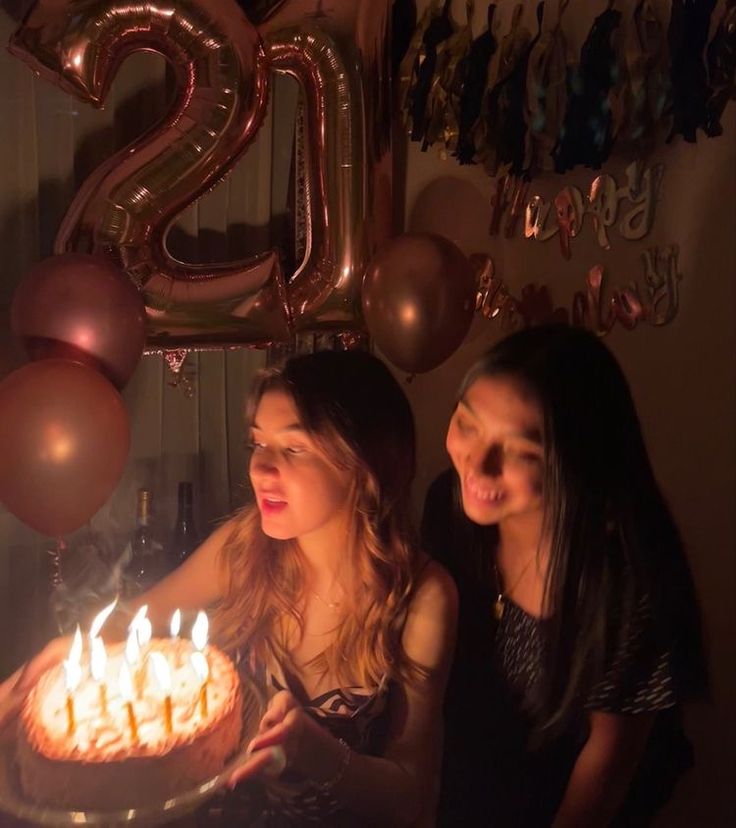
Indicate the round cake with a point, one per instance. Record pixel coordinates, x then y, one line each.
96 758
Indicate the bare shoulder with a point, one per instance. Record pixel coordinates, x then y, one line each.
431 623
435 589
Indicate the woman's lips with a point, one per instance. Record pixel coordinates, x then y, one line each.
271 505
483 494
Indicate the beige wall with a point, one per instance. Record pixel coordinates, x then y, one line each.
683 375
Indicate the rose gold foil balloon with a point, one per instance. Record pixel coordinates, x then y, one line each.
64 438
126 206
339 55
325 290
419 295
84 308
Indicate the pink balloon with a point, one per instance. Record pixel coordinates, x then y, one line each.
64 439
84 308
418 299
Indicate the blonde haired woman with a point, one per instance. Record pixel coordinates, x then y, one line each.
319 587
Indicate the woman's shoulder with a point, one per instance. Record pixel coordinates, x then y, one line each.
435 587
431 623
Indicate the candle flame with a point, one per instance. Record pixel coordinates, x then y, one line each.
72 675
132 649
175 623
200 666
141 626
75 651
98 659
138 616
144 631
200 631
100 619
161 671
126 683
72 665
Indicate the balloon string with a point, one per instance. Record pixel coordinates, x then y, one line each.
55 553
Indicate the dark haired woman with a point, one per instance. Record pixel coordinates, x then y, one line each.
578 631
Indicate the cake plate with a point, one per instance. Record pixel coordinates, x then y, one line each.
13 801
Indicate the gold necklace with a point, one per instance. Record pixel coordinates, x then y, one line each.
499 605
333 605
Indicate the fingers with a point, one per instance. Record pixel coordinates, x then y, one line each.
7 688
51 655
276 735
9 708
279 706
270 762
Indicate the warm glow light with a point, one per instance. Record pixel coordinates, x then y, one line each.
200 666
200 630
72 665
144 631
100 619
140 627
161 671
98 659
126 683
72 675
175 623
59 445
75 651
132 649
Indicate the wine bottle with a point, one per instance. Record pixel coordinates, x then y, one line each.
146 565
184 537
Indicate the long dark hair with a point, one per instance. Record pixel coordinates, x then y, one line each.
356 411
614 543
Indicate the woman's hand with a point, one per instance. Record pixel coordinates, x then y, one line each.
289 737
13 691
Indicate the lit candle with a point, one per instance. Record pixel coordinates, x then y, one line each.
163 677
98 662
72 677
202 671
133 659
200 630
175 624
141 626
126 693
100 619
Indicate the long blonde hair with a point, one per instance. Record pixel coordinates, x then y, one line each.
359 416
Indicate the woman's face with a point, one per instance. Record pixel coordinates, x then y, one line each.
299 492
495 443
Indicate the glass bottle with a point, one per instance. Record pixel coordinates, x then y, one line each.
184 537
146 565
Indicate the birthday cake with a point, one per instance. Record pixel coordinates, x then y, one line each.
94 750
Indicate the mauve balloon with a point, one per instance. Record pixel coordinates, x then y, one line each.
64 439
418 300
84 308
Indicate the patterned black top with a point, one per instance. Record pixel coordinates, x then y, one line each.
638 678
494 772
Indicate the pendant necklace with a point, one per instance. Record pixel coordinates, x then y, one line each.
332 605
499 605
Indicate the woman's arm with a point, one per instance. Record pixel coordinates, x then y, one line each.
401 787
604 769
196 584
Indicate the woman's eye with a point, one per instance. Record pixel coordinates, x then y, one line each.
521 455
465 427
254 445
295 449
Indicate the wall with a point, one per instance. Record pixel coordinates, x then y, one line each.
683 375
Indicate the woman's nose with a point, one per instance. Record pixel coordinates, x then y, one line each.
264 461
488 461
